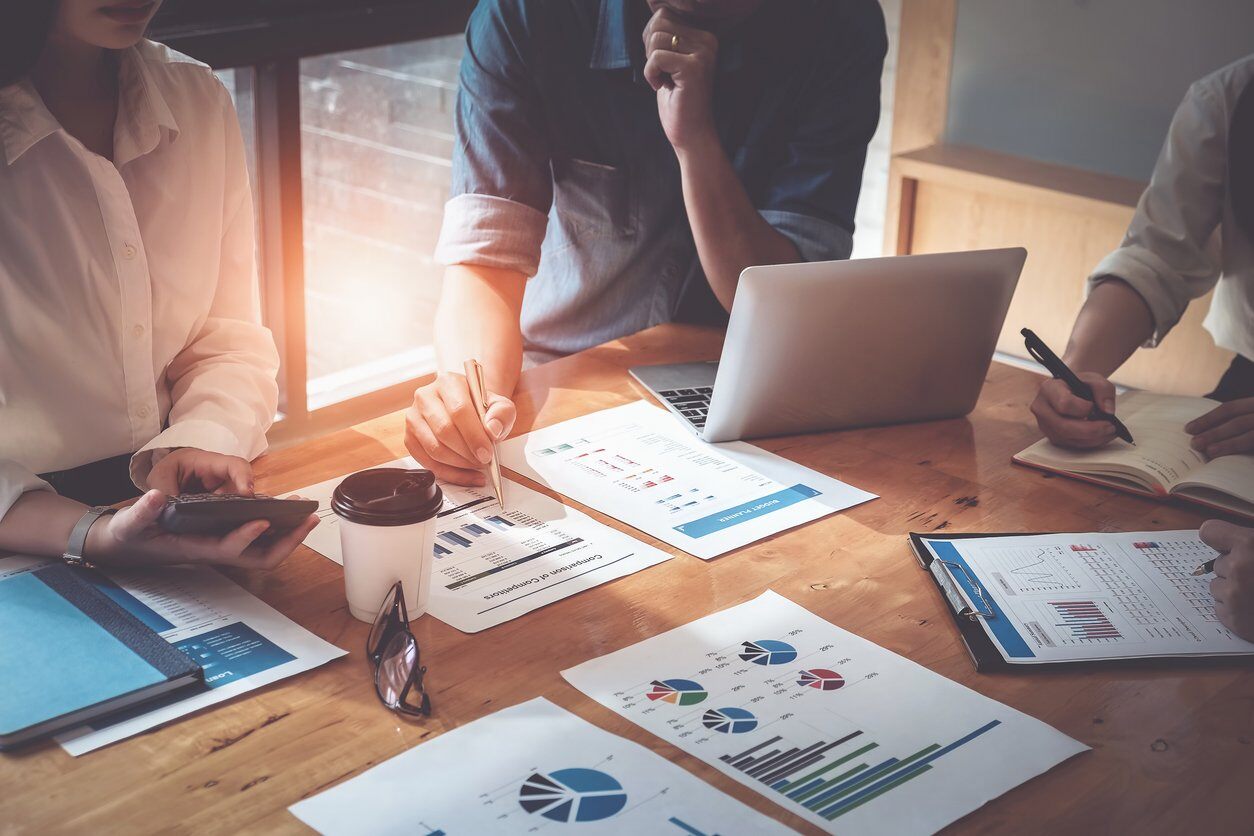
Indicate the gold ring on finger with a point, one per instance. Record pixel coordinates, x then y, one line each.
674 42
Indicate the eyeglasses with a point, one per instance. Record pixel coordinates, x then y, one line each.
393 651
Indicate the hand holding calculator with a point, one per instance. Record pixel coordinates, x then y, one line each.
216 514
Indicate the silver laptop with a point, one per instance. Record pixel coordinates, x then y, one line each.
839 344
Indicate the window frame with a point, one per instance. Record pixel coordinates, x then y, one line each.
271 41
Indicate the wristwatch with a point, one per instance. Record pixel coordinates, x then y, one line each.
78 537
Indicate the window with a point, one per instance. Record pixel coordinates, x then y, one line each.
346 111
376 151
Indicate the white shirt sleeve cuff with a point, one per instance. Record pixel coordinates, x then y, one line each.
16 480
489 231
815 240
1150 277
202 435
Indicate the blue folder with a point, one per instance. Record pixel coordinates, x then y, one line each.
69 654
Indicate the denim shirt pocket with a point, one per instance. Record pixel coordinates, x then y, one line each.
591 200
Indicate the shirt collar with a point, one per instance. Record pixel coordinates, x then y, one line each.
142 112
24 120
142 109
617 44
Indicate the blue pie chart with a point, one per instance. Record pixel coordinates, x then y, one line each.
768 652
730 720
573 795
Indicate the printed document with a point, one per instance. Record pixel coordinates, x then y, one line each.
531 768
1075 597
241 642
492 566
637 464
829 726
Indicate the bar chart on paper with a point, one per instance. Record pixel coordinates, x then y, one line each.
1075 597
492 565
637 464
825 724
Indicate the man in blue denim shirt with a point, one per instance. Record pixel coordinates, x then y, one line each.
622 161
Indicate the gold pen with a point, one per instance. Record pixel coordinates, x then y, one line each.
479 393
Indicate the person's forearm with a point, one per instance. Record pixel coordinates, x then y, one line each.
478 318
39 524
729 233
1113 323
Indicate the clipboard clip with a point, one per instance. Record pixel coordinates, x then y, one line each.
969 612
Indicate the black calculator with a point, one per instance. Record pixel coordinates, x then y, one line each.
216 514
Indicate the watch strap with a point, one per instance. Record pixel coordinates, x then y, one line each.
78 536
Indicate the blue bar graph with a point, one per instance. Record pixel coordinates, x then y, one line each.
832 778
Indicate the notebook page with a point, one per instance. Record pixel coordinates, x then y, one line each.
1162 450
1233 475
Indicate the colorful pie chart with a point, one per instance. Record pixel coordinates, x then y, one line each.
768 652
573 795
820 678
677 691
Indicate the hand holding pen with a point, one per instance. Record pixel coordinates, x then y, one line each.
1233 584
449 435
1074 410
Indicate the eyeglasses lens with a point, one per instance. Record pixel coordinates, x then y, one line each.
396 666
379 629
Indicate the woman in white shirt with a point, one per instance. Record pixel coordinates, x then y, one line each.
1203 182
131 349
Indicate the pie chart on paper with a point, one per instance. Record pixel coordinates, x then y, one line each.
729 720
820 678
568 795
768 652
677 691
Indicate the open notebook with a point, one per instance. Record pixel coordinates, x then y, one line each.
1162 463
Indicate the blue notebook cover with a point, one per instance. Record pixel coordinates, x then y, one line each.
70 653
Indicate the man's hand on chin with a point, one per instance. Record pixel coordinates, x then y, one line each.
680 61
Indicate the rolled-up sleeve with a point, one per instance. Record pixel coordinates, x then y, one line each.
502 184
223 384
1167 255
16 480
813 195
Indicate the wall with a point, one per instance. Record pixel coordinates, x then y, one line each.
1086 83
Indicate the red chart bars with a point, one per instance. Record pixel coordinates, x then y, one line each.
1085 620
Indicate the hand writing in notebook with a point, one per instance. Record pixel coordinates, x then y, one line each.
1064 417
1233 586
1226 429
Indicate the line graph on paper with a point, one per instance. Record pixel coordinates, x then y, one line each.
1022 570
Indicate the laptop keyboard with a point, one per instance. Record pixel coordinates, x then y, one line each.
693 404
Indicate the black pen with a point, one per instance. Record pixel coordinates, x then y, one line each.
1206 568
1054 365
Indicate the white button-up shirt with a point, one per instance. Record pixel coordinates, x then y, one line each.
129 311
1165 255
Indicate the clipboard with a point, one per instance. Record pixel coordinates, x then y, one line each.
965 611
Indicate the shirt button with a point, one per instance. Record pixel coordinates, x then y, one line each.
128 251
143 411
138 330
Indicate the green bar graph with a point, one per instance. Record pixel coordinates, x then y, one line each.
801 782
879 776
841 777
890 785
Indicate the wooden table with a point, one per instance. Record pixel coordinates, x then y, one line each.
1173 748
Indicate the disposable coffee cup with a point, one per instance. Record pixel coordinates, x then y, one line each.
387 525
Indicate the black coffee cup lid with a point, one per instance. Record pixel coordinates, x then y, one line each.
388 496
